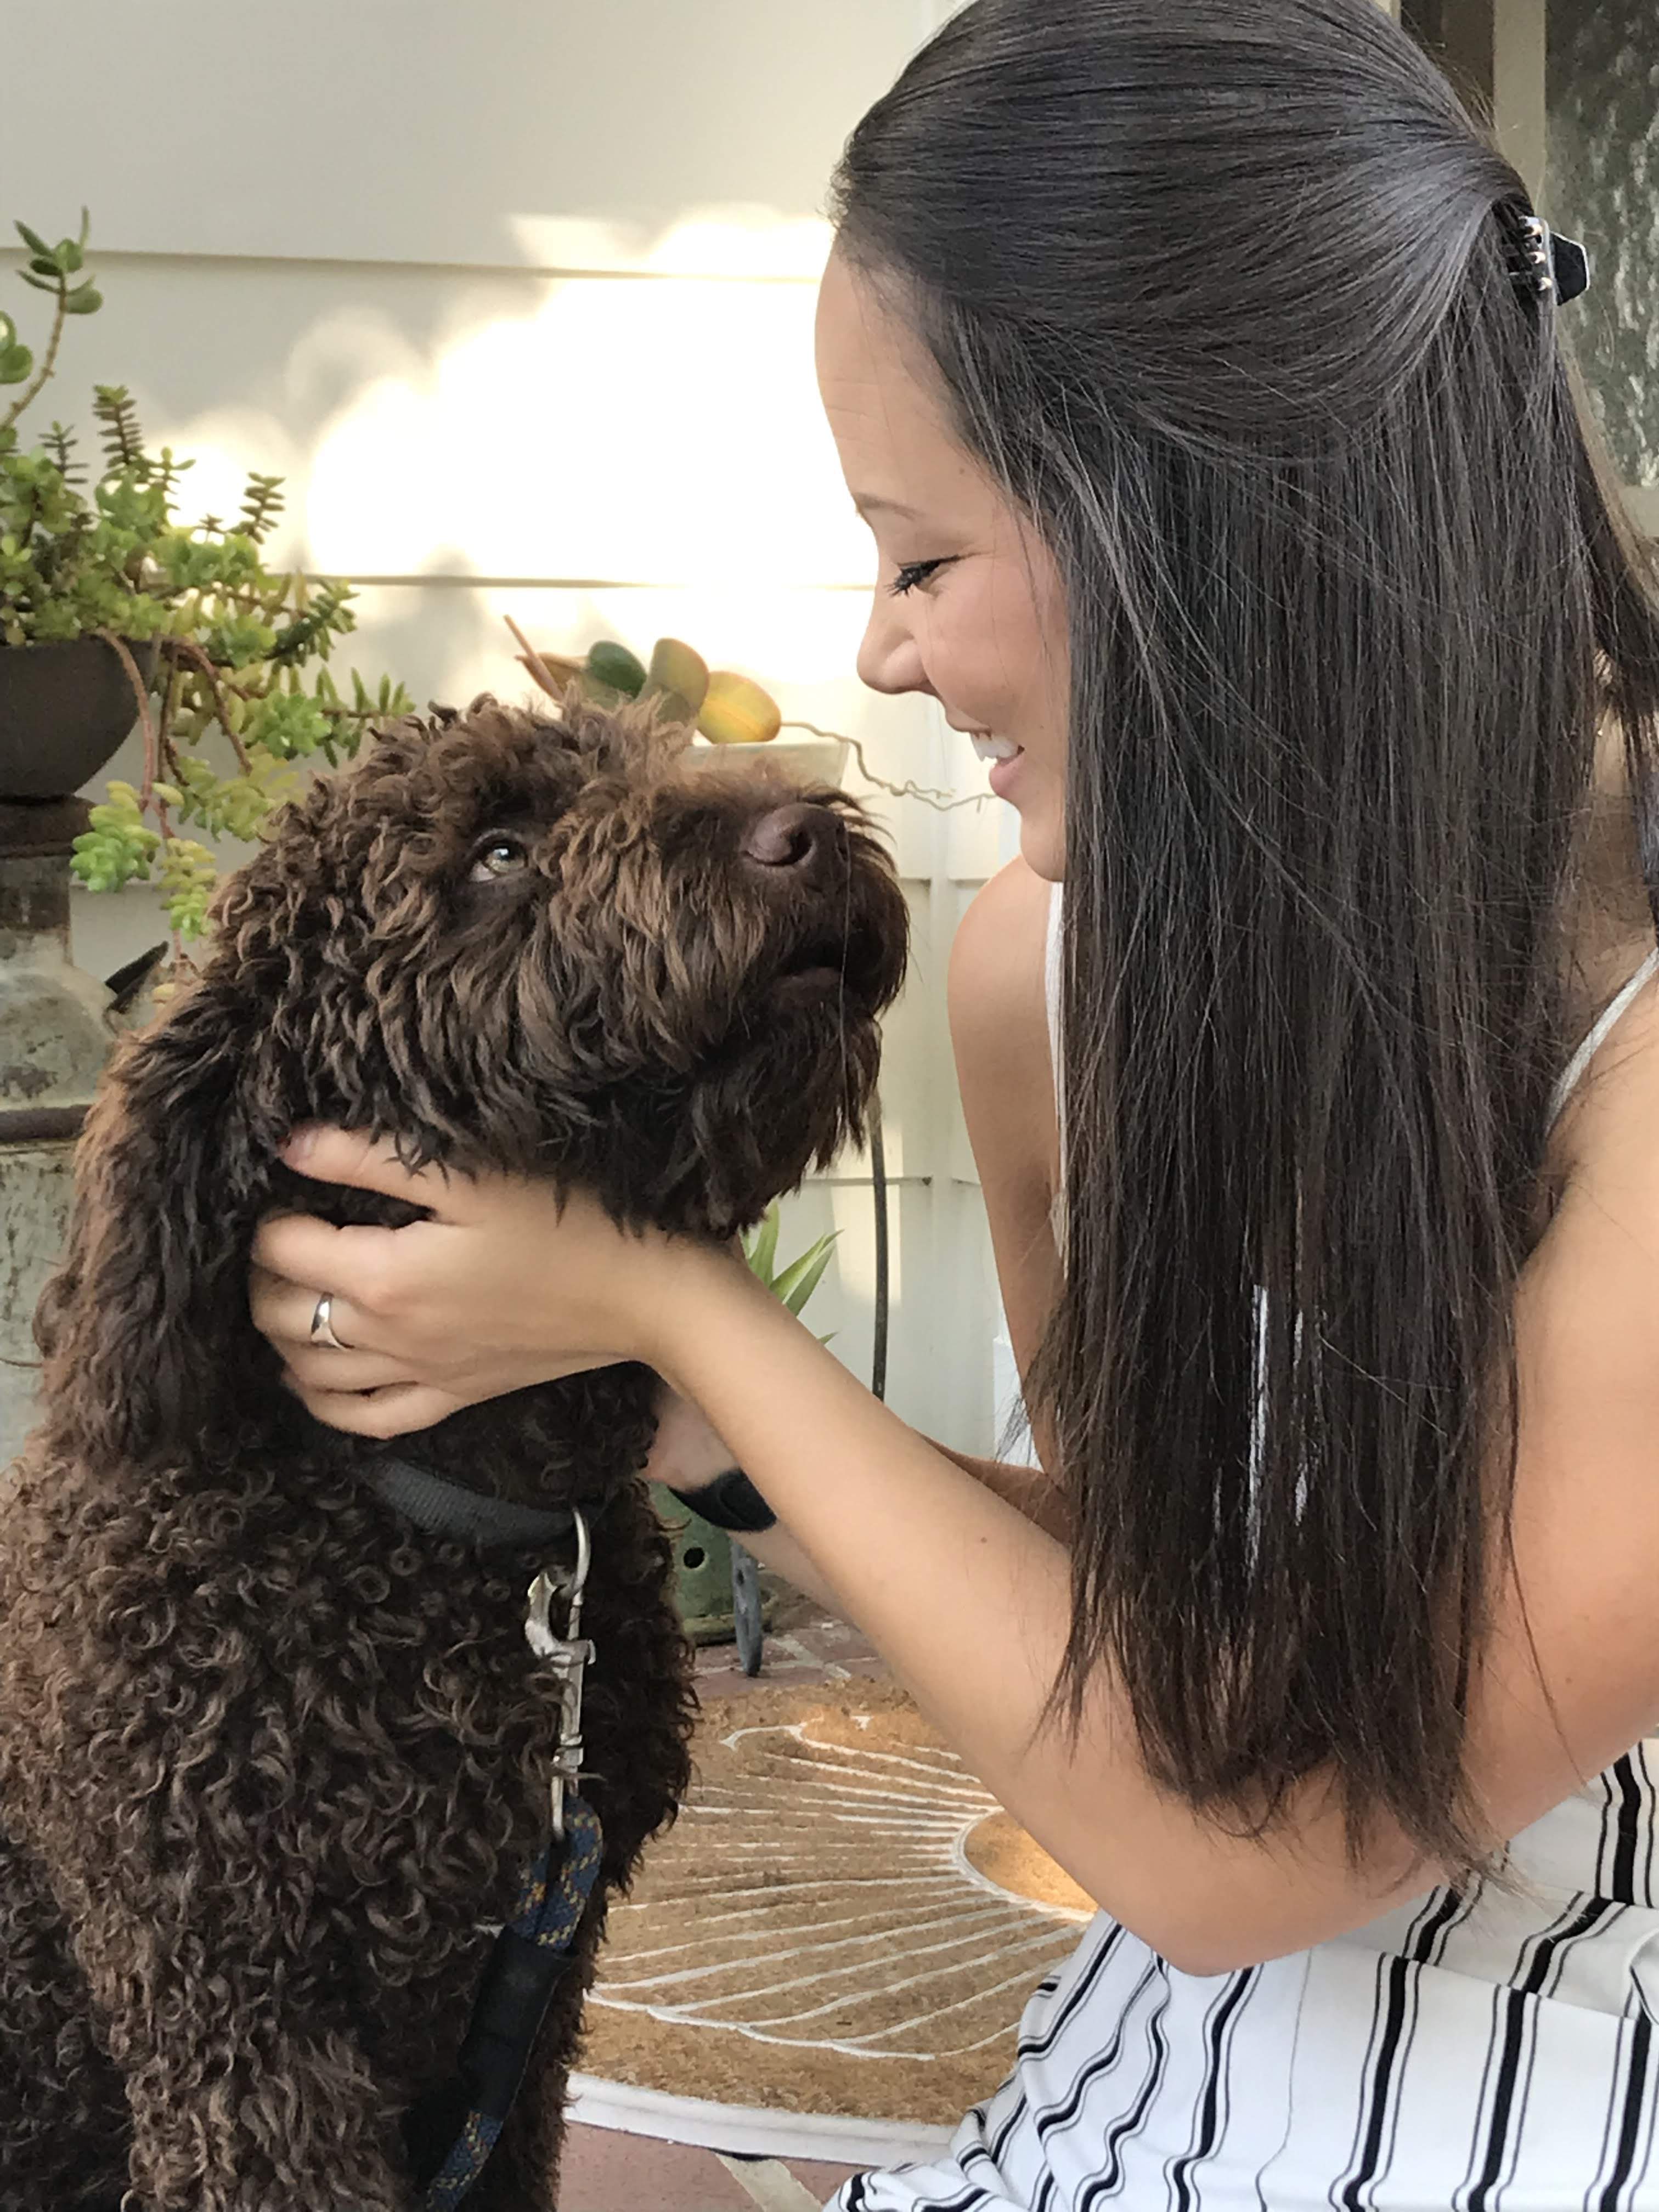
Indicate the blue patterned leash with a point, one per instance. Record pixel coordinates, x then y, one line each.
468 2114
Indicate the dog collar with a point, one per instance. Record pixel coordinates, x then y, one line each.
449 1509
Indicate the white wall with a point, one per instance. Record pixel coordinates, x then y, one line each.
519 298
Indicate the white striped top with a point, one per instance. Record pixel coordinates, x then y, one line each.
1481 2052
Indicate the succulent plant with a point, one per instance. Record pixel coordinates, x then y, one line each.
240 671
726 708
729 709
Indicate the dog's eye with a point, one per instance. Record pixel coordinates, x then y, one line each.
498 856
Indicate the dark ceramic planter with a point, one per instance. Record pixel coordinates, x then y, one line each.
65 710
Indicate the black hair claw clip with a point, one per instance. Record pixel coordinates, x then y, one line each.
1547 263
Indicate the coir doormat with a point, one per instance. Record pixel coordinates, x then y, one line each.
842 1922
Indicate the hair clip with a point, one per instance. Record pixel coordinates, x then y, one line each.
1546 262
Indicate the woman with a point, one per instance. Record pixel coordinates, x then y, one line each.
1197 372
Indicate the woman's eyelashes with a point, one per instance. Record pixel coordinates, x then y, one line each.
917 572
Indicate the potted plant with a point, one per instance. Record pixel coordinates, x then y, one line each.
112 610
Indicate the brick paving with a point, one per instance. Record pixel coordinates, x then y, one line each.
802 1647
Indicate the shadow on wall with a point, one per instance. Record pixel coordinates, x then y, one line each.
607 123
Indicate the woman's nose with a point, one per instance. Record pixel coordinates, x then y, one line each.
890 660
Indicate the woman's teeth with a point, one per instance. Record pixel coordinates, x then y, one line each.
994 749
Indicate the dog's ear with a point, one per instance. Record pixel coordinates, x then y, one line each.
148 1347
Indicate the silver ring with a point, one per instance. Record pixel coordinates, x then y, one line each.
322 1328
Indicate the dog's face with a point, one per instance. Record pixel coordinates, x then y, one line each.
558 947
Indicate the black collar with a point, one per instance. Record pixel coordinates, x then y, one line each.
449 1509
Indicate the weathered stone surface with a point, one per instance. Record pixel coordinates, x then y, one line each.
55 1036
36 1181
54 1032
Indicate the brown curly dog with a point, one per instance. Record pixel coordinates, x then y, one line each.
272 1753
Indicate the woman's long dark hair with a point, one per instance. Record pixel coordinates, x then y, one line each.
1223 296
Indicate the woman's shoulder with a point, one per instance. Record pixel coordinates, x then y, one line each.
999 1034
1575 1653
1587 1311
1001 945
997 997
1600 1250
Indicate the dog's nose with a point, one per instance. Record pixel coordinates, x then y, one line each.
800 838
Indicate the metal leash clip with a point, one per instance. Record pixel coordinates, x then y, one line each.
568 1656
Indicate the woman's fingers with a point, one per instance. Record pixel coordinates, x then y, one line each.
503 1285
347 1372
329 1155
349 1264
285 1311
397 1411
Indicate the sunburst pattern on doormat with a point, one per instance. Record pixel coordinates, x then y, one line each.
842 1921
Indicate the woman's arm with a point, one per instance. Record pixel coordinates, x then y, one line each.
688 1456
967 1600
971 1602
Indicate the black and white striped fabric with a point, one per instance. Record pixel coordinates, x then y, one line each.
1483 2053
1486 2052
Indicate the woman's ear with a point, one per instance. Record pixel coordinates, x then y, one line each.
149 1350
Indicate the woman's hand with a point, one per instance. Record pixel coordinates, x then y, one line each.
502 1288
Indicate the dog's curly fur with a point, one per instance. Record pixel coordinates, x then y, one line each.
268 1754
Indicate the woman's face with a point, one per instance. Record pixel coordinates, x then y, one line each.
969 606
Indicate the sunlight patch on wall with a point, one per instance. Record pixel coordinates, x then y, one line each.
376 504
666 432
